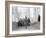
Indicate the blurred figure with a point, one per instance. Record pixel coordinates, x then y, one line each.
28 20
38 18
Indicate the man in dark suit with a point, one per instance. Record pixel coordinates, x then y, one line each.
39 18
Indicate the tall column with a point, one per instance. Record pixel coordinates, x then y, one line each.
32 15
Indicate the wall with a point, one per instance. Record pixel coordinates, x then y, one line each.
2 19
22 12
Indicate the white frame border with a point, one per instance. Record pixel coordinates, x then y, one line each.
24 32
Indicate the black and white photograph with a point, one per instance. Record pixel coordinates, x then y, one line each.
24 18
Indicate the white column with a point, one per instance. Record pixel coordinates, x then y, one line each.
32 15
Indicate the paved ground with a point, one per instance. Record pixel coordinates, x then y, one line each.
34 26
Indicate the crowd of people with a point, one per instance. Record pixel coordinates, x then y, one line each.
24 22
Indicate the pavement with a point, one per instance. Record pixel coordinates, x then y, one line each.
33 26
